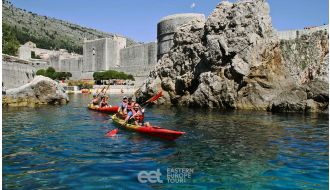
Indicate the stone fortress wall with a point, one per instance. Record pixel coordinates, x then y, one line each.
293 34
73 65
16 72
102 54
138 60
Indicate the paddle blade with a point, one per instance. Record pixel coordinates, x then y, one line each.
154 98
111 133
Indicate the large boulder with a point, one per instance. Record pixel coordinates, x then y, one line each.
233 60
42 90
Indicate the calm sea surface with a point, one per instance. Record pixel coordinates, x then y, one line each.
64 147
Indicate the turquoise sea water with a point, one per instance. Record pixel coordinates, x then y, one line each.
64 147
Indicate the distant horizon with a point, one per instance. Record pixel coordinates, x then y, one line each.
298 18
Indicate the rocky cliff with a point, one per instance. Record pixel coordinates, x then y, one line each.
42 90
234 60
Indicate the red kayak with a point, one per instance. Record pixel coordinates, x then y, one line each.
112 109
149 130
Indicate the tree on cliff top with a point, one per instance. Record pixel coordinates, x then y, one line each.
10 44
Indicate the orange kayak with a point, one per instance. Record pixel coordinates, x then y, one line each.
85 91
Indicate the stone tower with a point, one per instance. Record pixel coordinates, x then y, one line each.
167 26
102 54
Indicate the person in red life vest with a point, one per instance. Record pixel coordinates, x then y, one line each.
129 105
104 102
136 116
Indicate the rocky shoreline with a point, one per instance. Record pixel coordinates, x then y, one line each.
234 60
42 90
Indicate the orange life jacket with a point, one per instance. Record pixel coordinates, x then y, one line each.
130 106
138 116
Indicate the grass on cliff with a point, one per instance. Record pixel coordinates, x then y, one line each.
22 35
10 43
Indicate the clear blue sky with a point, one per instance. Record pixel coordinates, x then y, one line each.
138 19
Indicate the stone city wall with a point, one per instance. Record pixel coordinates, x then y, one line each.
16 72
294 34
73 65
102 54
138 60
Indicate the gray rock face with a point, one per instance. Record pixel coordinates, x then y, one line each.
231 61
307 57
42 90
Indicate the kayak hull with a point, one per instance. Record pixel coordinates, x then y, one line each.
149 130
112 109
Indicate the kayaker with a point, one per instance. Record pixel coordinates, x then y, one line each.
129 105
95 100
123 105
136 116
104 102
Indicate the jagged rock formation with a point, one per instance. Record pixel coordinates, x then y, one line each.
231 61
42 90
307 57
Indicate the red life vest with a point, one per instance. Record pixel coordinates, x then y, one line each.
138 116
130 106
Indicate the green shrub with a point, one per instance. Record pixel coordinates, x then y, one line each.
10 43
41 72
51 73
81 84
112 74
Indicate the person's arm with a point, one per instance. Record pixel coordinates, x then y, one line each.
141 109
119 109
125 109
129 115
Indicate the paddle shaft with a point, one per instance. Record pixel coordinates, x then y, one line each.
100 92
103 89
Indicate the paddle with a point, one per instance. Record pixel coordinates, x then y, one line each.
100 91
154 98
107 89
111 133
